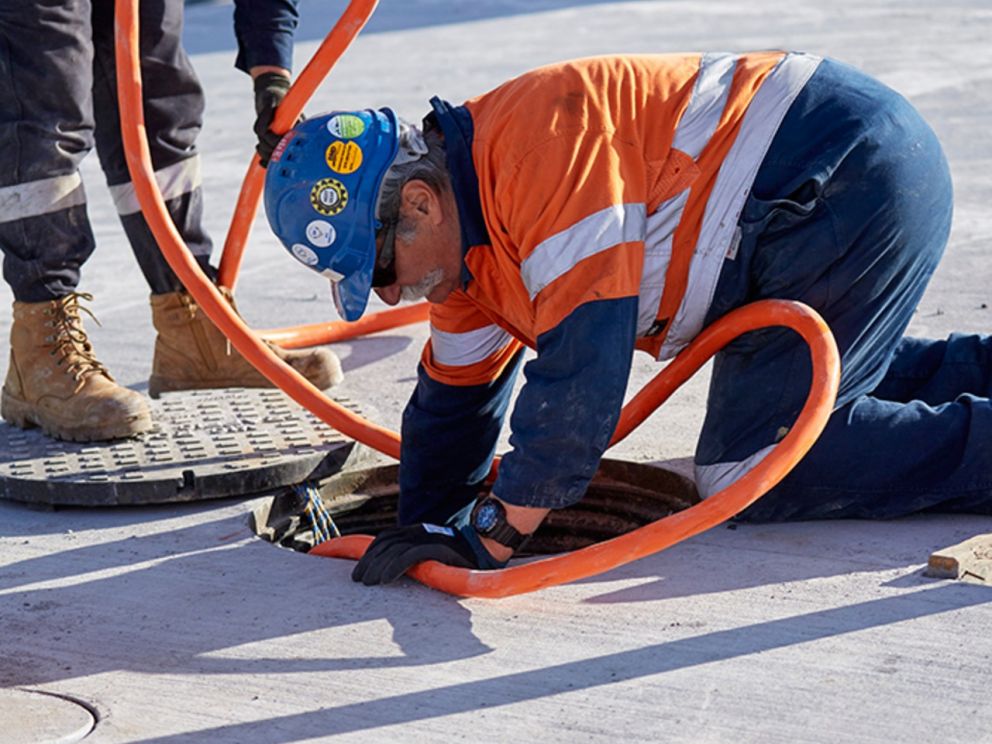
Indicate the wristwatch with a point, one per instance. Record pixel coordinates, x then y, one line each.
489 520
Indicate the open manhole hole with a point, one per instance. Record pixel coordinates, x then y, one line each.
621 497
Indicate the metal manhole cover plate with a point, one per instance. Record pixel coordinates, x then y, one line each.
205 444
29 717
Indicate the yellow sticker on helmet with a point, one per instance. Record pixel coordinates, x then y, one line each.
343 157
329 196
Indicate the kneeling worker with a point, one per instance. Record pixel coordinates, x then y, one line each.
598 206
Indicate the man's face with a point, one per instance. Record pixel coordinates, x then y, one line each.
427 248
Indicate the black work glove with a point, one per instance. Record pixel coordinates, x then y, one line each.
397 549
270 89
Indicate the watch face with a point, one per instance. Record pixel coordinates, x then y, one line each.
486 517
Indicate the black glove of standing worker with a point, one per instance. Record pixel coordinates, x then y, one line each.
270 89
397 549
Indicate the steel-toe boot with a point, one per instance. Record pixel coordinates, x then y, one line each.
55 381
192 354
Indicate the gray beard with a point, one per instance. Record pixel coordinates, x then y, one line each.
424 287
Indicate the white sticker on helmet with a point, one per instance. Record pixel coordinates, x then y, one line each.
304 254
346 126
333 275
321 233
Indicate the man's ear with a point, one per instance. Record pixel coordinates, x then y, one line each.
420 199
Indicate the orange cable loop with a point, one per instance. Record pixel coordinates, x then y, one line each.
517 579
663 533
129 91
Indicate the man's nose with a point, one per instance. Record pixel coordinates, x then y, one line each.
390 295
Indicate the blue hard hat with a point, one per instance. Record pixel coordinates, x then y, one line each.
321 189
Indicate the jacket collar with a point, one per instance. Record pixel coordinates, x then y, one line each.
456 125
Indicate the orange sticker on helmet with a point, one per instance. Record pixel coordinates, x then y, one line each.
343 157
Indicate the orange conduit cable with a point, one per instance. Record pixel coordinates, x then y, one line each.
340 330
351 22
664 533
517 579
129 91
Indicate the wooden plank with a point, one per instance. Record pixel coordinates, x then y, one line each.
971 559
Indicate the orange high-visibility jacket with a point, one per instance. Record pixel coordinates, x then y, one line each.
580 185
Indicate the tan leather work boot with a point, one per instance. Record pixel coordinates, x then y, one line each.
192 354
55 382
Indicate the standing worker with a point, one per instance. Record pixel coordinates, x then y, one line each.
595 207
58 87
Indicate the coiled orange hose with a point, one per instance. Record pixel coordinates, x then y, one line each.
663 533
516 579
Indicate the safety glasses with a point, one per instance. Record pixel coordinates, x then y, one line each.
384 272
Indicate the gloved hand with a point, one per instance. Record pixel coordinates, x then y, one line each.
270 89
399 548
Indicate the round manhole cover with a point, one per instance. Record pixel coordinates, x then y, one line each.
28 717
205 444
621 497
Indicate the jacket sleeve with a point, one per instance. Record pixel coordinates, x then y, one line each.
569 406
264 30
449 439
452 422
575 207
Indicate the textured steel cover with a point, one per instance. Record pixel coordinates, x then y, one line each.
205 444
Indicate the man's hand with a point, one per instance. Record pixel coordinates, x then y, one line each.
399 548
270 88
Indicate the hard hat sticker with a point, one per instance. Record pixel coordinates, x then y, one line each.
346 126
321 233
343 157
329 196
304 254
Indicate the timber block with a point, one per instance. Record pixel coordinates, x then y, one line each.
971 559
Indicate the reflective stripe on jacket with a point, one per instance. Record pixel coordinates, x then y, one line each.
592 176
598 200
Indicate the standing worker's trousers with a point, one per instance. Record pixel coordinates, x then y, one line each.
58 88
850 213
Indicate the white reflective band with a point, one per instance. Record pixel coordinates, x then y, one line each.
657 255
709 98
600 231
44 196
471 347
693 132
713 478
733 185
174 180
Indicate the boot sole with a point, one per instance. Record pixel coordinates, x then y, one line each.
23 415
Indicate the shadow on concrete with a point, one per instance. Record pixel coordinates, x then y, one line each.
773 554
601 671
209 28
163 603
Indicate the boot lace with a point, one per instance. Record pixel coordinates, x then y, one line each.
69 339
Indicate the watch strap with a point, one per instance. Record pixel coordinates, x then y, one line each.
502 532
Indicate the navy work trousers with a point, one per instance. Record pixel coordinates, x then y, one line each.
58 88
850 213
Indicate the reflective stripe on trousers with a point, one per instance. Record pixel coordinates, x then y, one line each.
64 102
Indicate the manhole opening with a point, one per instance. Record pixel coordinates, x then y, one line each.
621 497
